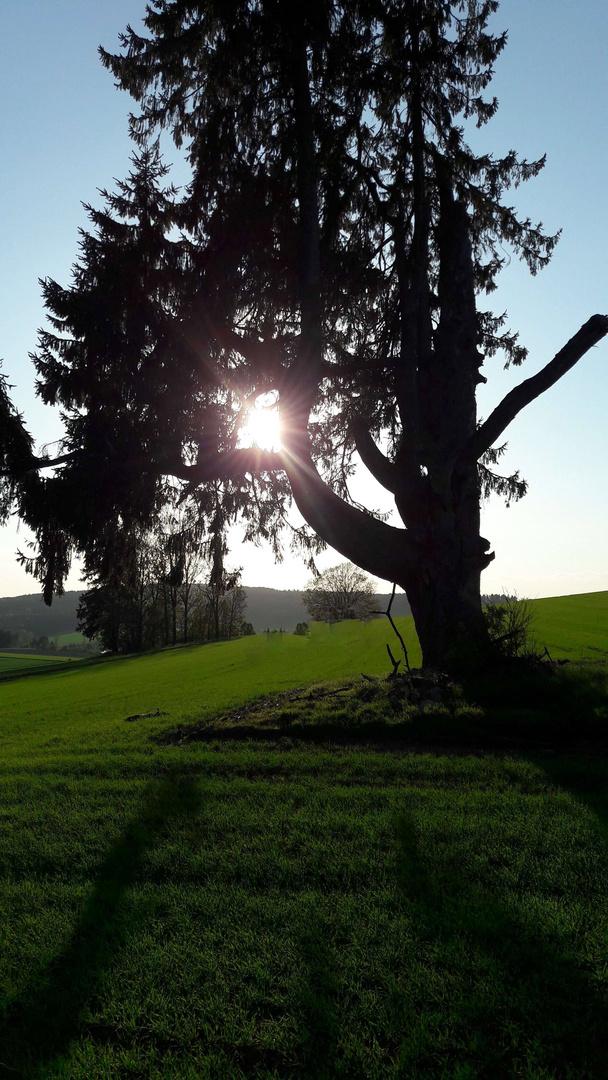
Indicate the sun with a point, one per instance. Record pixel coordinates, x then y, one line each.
260 426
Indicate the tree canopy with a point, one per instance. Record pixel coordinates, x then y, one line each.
341 592
333 252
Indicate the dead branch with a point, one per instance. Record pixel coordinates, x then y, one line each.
394 662
390 619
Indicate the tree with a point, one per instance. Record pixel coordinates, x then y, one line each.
332 250
342 592
164 585
222 606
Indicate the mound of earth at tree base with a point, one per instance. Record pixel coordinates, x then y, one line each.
424 712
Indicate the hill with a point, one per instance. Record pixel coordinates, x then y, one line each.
29 613
283 608
572 627
273 608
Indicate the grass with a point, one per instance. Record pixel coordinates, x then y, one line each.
76 638
299 891
16 663
186 682
573 626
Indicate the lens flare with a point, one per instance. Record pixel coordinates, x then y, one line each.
260 426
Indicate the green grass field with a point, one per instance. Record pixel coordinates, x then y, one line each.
17 663
292 904
573 626
70 639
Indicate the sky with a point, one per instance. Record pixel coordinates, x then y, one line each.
63 136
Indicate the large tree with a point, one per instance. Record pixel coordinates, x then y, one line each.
331 252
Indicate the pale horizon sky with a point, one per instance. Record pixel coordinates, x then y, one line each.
64 135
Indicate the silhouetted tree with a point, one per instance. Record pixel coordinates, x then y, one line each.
335 239
341 592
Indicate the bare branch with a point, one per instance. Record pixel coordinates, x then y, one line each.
391 620
593 331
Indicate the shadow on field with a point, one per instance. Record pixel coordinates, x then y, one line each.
40 1027
318 1005
314 1008
516 995
438 736
586 779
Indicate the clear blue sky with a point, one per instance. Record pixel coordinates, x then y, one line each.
63 133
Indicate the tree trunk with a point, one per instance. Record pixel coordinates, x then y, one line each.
446 606
445 590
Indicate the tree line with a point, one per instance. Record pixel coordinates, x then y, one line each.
172 594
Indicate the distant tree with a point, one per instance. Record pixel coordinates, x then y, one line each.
247 629
180 563
342 592
301 629
221 607
44 644
103 614
333 249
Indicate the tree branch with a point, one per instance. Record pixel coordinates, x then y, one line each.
230 465
383 470
379 548
593 331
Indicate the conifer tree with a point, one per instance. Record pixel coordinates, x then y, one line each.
337 241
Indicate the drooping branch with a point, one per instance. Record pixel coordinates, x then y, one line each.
593 331
311 352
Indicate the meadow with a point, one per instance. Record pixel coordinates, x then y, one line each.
13 663
315 884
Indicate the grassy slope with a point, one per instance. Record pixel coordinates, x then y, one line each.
190 682
573 626
14 663
187 683
275 910
75 638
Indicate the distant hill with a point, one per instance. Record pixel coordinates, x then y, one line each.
273 608
30 613
283 608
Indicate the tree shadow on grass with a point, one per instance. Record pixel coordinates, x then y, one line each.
318 1003
425 734
585 777
517 1004
40 1026
313 1005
